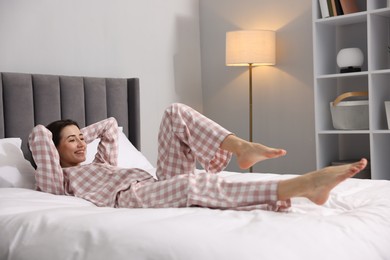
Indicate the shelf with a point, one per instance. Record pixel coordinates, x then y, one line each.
341 147
343 132
379 93
380 163
379 44
344 19
382 12
368 30
341 32
343 75
381 131
352 132
379 72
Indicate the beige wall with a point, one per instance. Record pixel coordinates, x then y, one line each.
282 94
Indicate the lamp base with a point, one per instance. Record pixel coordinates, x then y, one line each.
350 69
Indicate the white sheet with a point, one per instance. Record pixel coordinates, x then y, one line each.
353 224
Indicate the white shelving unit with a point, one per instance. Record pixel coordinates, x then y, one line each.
369 30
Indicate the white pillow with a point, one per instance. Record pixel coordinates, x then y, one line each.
15 170
128 157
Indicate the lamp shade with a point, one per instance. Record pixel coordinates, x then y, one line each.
256 47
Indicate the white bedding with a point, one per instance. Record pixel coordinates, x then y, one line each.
353 224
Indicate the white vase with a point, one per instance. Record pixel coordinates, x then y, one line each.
350 57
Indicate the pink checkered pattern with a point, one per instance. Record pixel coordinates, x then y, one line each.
185 136
98 182
203 190
48 176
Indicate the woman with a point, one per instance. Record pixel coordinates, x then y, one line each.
185 136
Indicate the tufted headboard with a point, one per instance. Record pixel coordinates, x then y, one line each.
30 99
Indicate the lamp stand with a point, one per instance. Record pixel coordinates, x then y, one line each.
250 108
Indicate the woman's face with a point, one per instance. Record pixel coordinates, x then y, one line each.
72 147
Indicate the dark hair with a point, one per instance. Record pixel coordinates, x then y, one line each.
56 128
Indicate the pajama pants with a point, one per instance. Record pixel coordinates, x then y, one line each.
185 137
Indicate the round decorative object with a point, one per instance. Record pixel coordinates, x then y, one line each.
350 58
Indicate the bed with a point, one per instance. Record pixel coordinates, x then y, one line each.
353 224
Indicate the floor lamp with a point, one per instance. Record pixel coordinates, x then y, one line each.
250 48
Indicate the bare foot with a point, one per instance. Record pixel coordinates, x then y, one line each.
252 153
317 185
249 153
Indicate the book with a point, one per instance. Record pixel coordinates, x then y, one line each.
334 10
338 7
330 7
349 6
324 8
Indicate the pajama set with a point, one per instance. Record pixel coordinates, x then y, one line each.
185 137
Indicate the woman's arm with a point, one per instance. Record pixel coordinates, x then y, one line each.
107 131
48 175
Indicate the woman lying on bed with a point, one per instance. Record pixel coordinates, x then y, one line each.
184 137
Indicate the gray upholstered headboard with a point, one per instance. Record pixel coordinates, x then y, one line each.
30 99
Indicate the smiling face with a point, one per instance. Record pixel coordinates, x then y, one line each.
72 147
